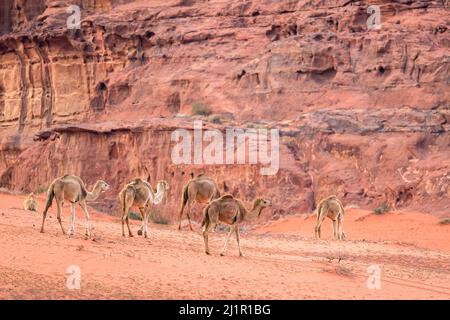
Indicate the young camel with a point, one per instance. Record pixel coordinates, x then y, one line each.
230 211
201 189
332 208
72 189
30 203
140 193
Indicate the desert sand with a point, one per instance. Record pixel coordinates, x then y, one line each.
282 259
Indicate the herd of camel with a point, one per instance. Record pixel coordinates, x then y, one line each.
202 189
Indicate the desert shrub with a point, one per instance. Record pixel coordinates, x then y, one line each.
222 228
444 221
257 125
381 209
158 218
201 109
135 216
289 142
216 119
41 189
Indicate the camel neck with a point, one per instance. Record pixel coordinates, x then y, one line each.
156 198
92 196
253 214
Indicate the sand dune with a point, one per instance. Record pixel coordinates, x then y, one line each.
282 260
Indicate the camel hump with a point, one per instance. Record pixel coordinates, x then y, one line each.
84 191
329 198
135 181
227 196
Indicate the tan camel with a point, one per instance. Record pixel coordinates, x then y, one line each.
140 193
230 211
30 203
201 189
72 189
332 208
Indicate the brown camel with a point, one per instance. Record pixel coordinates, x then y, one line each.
201 189
332 208
72 189
30 203
140 193
230 211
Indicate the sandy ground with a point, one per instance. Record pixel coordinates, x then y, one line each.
282 260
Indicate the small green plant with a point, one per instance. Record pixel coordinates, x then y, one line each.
158 218
289 142
135 216
444 221
256 125
200 109
41 189
222 228
381 209
216 119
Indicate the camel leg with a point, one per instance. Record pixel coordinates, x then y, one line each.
125 219
44 215
207 229
58 214
145 215
123 223
124 215
71 230
140 232
189 215
181 215
128 226
335 230
320 219
238 241
341 228
87 226
228 239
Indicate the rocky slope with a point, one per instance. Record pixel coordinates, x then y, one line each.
363 114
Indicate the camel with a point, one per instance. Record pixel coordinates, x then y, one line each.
72 189
231 211
30 203
201 189
140 193
332 208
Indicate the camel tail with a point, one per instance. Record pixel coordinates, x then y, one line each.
50 196
185 197
122 202
318 209
122 196
205 221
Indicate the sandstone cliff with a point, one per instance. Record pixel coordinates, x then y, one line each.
363 114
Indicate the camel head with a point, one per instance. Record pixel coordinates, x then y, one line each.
162 184
103 185
263 203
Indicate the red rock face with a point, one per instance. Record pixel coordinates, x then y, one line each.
363 113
